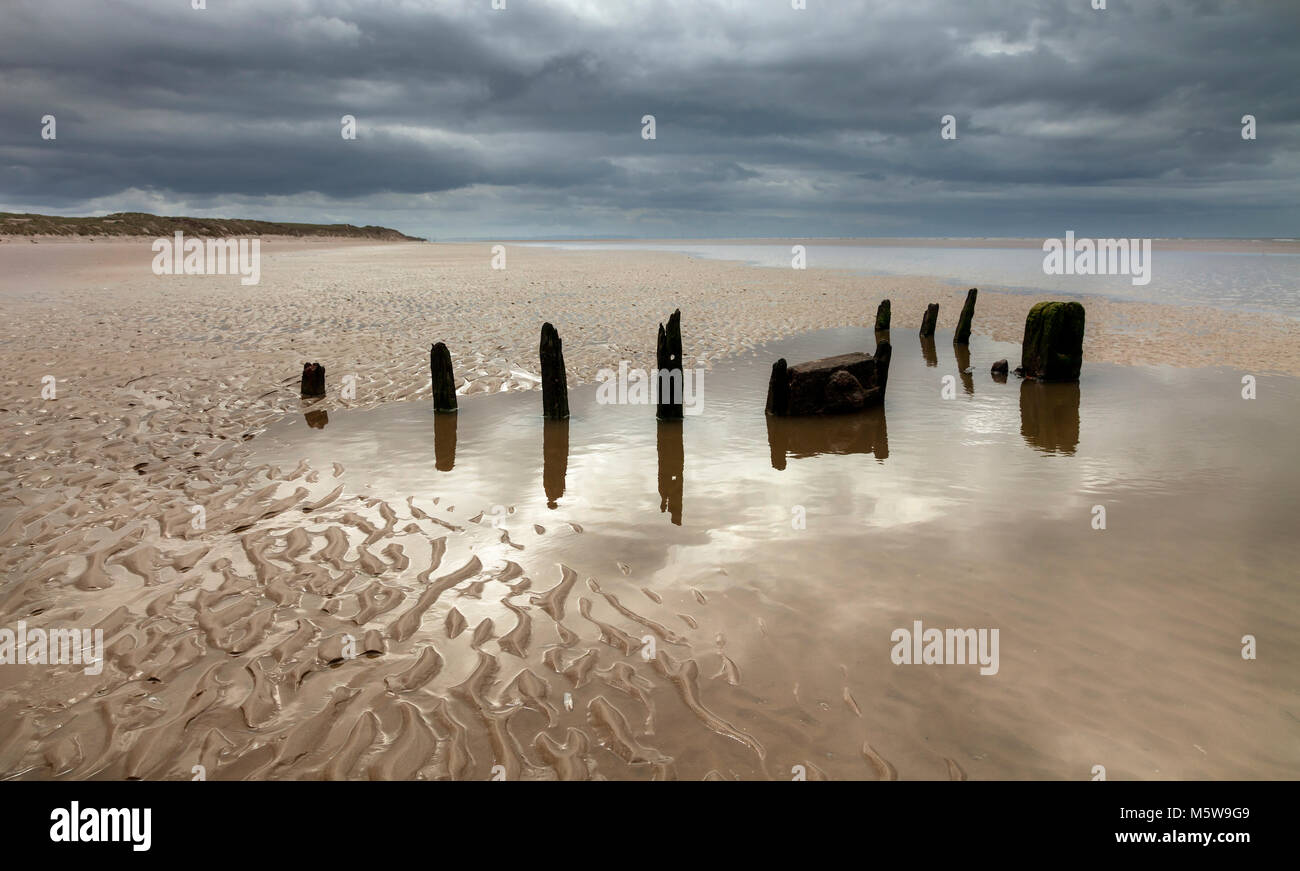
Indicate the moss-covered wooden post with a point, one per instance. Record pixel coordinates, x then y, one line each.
1053 345
882 316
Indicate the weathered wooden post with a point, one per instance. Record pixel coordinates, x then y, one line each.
962 336
1052 349
931 318
669 372
778 388
313 379
882 316
444 382
831 385
555 387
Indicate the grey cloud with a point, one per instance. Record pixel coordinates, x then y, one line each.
770 121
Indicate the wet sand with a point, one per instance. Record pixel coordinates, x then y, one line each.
224 644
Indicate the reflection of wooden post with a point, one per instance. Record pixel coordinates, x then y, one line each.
555 388
444 442
1049 416
797 437
444 383
313 379
668 358
928 351
962 336
962 352
882 316
931 318
777 428
884 353
668 442
555 459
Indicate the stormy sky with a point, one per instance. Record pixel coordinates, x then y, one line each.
474 122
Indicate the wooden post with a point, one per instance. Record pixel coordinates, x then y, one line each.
1053 346
444 383
555 387
882 316
931 318
668 358
962 336
313 379
778 389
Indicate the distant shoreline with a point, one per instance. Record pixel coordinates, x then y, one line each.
1244 246
137 224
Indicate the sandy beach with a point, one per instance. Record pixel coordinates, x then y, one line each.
226 640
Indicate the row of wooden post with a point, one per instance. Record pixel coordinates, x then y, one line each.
555 384
931 318
668 357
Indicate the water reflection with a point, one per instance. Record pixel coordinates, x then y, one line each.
928 351
1049 416
555 459
317 419
797 437
963 363
444 441
672 458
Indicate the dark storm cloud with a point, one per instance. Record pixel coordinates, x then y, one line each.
771 121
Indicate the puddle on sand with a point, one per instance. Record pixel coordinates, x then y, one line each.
785 553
